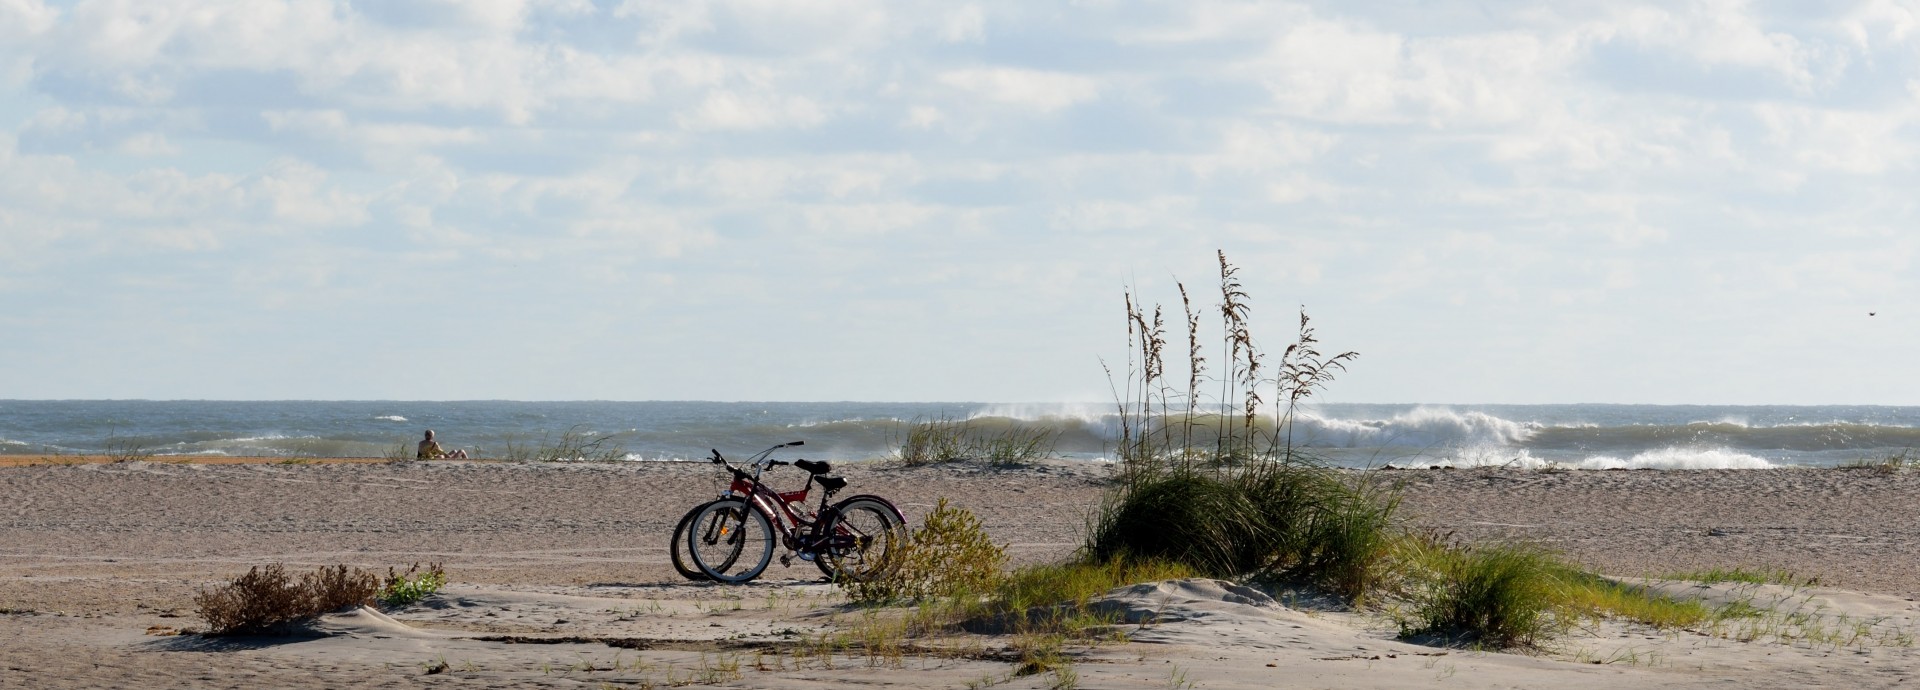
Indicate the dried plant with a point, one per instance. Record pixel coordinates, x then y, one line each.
267 601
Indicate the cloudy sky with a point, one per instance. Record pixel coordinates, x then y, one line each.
1670 202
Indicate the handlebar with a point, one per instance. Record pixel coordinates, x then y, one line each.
759 458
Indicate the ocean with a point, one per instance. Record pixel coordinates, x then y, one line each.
1578 436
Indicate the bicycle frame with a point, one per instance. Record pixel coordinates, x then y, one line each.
776 505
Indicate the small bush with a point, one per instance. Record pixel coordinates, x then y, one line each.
403 589
949 555
266 600
1500 595
338 587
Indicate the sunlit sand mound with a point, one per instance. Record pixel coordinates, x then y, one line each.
368 623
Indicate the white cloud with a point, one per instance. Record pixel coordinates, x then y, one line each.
772 157
1039 90
148 144
964 24
730 110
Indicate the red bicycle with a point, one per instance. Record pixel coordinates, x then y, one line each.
730 539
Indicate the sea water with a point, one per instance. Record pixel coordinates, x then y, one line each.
1353 435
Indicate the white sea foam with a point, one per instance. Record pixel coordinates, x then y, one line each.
637 457
1679 459
391 418
1423 427
1657 459
1086 413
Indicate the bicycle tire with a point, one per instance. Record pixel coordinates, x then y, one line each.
875 529
677 547
729 541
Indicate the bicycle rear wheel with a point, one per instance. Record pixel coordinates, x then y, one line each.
729 541
859 536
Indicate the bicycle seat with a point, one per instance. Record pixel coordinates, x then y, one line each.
831 484
813 467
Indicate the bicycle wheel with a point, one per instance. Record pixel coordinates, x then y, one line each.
677 546
859 536
729 541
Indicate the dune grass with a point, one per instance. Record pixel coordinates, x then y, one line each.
1755 576
945 439
576 444
1895 463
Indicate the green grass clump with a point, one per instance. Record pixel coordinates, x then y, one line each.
1197 518
1499 595
1077 583
1518 594
1752 576
944 440
402 450
1896 463
1295 521
1592 596
576 444
404 589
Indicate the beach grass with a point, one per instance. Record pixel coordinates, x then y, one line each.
401 450
1498 595
1756 576
576 444
1893 463
945 439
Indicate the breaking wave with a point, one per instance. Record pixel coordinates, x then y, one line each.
1657 459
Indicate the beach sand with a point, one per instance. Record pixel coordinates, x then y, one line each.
93 556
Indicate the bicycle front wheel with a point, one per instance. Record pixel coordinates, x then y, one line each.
677 547
859 537
729 541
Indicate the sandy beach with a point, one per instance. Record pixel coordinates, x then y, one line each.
94 556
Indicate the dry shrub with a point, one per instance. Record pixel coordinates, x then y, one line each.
949 555
266 600
338 587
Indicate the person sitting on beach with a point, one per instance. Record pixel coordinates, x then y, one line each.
430 450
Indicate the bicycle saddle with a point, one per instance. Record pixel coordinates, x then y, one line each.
813 467
831 484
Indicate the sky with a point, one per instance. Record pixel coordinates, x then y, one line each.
1492 202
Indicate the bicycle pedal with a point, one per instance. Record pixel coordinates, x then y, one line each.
786 561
